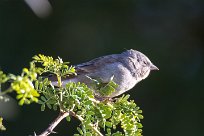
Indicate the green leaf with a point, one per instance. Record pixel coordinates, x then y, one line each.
68 118
140 116
106 89
42 107
139 125
40 102
108 124
88 134
55 107
21 102
80 130
48 105
52 101
2 128
43 98
36 57
34 99
108 131
40 86
25 70
36 84
19 96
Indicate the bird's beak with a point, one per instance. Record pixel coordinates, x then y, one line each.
153 67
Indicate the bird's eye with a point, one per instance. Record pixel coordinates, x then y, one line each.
145 62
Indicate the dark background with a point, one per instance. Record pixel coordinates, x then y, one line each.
169 32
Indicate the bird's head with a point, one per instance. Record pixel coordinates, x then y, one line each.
141 63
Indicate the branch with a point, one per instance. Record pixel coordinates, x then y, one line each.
49 130
60 117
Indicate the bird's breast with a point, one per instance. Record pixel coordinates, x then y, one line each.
122 76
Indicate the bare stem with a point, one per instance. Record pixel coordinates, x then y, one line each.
49 130
6 91
59 85
59 81
60 117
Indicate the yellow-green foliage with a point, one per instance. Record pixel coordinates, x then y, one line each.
107 116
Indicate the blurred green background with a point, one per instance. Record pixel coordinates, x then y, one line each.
169 32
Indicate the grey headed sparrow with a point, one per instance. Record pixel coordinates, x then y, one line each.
127 69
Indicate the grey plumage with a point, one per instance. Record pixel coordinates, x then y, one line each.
128 68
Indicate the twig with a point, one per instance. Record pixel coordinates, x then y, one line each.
6 91
60 117
49 130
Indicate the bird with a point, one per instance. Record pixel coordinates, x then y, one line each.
125 69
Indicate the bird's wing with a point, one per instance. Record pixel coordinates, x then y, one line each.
90 66
96 64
